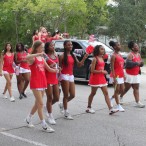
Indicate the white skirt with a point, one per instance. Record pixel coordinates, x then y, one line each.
132 79
100 85
23 70
119 80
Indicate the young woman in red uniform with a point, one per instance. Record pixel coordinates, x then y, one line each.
133 64
24 73
35 36
38 82
117 73
97 79
42 34
67 60
52 90
7 60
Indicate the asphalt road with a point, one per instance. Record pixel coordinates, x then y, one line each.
99 129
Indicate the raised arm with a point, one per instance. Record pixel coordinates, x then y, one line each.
30 57
81 63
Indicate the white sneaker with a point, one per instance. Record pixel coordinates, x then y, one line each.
140 105
90 110
61 107
47 128
68 116
4 96
121 100
112 111
28 122
12 99
51 120
120 108
111 100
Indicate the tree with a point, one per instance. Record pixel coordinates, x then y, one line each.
128 20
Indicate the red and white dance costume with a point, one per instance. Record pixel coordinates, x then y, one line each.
118 69
24 66
8 64
67 71
132 74
52 78
98 79
38 77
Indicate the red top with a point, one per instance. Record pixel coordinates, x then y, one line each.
22 56
43 38
118 66
49 39
36 37
135 70
8 63
38 77
98 78
52 77
69 68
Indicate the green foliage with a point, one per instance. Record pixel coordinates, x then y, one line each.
20 18
128 20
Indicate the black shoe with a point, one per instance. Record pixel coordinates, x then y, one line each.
21 96
24 95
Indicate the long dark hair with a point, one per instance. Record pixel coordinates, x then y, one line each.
5 49
17 47
65 60
96 51
47 45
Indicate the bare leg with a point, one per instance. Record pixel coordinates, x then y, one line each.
8 78
65 89
92 94
136 91
105 92
38 104
71 91
127 87
26 77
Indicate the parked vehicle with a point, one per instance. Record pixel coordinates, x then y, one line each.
79 47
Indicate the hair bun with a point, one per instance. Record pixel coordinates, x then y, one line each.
112 43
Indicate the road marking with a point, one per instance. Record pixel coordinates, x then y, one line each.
23 139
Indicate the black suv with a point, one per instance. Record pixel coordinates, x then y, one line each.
79 47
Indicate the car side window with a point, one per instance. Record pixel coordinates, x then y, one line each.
76 46
77 49
59 46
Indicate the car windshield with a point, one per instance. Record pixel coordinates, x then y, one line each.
86 44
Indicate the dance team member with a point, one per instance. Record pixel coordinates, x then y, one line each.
97 79
133 64
24 71
52 90
38 83
67 60
117 73
7 60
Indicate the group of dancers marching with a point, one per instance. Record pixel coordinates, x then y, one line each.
45 70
